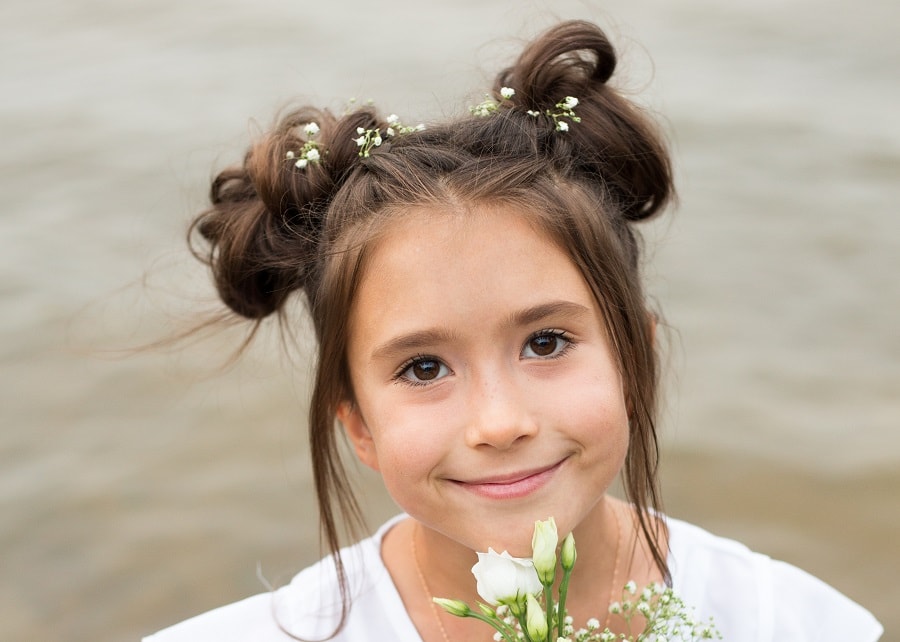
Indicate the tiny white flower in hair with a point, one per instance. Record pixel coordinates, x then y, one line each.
309 153
370 138
484 108
562 126
570 102
532 112
507 92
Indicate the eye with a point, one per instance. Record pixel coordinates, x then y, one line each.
546 344
421 371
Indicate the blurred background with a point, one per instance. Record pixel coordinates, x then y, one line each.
139 488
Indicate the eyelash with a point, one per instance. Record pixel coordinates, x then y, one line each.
399 377
553 332
408 364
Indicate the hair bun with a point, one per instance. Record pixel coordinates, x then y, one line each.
564 61
617 144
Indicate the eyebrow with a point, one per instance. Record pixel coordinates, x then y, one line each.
421 339
568 309
411 342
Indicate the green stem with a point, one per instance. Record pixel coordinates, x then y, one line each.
523 625
498 624
561 607
548 610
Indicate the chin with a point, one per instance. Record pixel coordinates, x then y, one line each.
515 535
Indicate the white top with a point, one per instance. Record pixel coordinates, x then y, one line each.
751 597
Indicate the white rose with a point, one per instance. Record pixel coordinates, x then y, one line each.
501 577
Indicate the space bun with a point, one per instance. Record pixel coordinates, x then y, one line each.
261 233
614 141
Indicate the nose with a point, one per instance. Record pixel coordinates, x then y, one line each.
499 414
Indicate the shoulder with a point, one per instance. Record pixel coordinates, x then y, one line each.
310 606
756 599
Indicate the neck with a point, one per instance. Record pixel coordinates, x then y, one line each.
604 541
425 563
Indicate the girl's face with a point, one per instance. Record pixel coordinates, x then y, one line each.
486 391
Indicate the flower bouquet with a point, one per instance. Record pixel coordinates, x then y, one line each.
519 601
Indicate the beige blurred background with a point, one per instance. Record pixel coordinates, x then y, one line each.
139 490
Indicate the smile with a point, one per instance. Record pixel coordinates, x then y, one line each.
512 486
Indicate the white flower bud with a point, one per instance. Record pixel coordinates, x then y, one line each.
535 619
567 553
453 607
507 92
543 545
311 129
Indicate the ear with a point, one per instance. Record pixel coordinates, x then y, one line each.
358 432
652 323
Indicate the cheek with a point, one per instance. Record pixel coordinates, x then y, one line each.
597 415
410 444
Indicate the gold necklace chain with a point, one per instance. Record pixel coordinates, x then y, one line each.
436 612
612 588
434 608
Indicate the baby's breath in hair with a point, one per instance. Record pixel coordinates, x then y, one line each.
565 108
370 138
488 106
309 153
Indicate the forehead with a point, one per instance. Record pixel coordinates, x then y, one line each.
440 265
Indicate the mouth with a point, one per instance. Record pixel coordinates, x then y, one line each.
512 485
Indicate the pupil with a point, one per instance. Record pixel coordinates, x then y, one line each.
426 370
544 345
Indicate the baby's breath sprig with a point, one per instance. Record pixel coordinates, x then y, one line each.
370 138
564 109
488 106
310 152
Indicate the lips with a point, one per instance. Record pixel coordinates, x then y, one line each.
512 485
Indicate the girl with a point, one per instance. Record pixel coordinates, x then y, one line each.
485 344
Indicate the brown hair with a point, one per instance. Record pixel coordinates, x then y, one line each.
275 229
